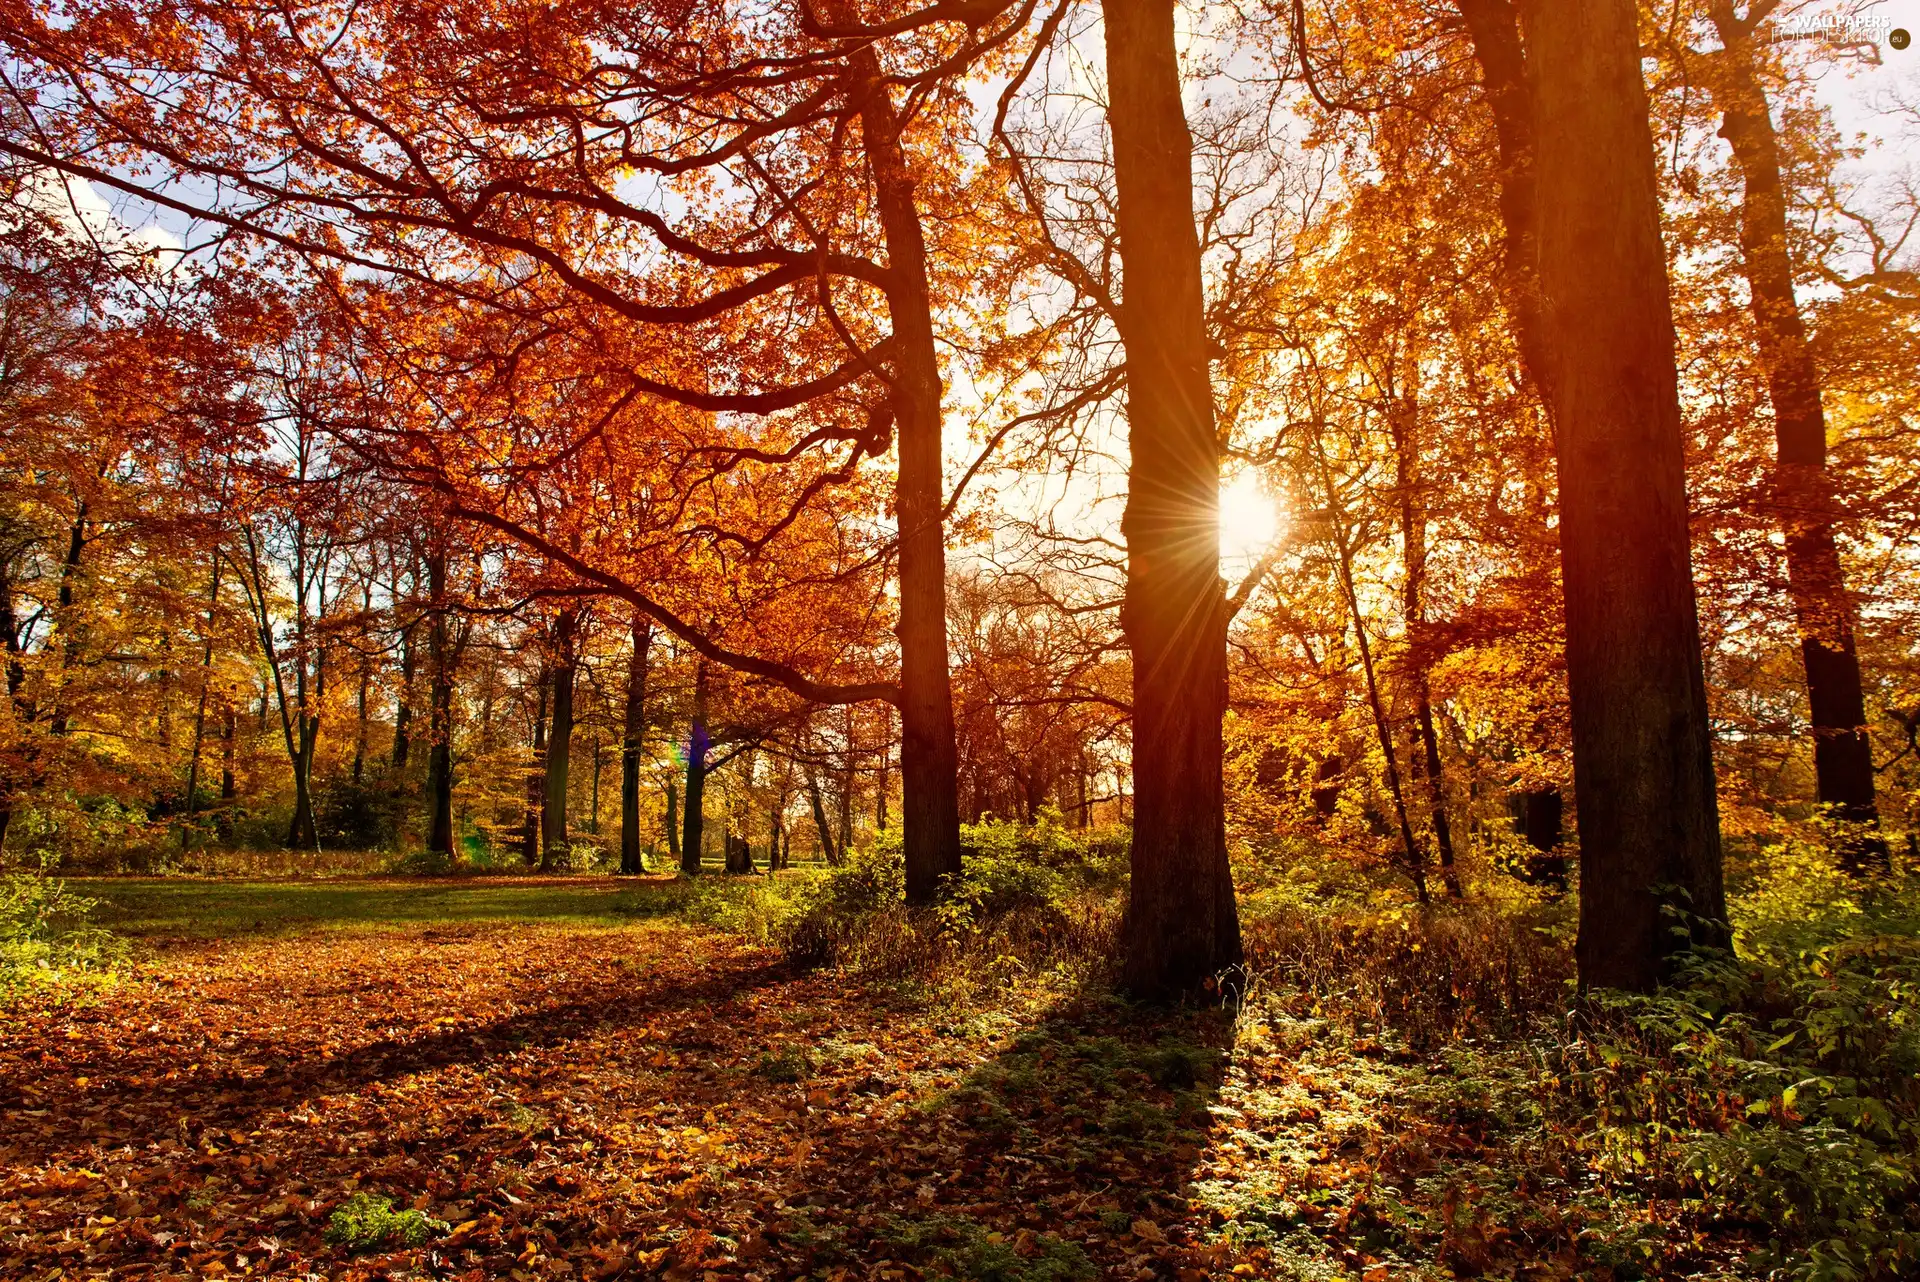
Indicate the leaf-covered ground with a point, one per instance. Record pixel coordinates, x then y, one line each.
569 1100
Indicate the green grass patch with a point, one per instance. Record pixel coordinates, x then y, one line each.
367 1222
209 908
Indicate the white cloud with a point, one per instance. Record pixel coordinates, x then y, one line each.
84 213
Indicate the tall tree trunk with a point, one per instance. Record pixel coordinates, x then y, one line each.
1411 852
303 831
697 744
200 707
1404 421
536 773
403 701
1642 751
163 697
830 852
777 830
673 821
1803 496
1182 924
848 778
229 754
362 727
19 706
929 760
593 809
440 655
880 773
553 820
68 624
633 734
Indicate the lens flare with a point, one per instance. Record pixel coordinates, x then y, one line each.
1249 518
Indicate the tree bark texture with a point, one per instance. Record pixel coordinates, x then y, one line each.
633 734
1643 759
1803 495
1182 923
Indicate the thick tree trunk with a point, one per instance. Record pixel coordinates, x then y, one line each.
633 734
553 816
362 726
673 821
1182 923
66 622
200 708
536 774
929 760
1643 757
1803 496
698 742
1405 422
830 852
403 701
441 657
1541 816
229 752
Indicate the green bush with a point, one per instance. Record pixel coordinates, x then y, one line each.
1007 867
1770 1092
1027 896
368 1222
45 935
1781 1079
961 1248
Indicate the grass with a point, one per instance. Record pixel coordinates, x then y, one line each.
206 909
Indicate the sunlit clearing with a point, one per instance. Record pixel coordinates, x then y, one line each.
1249 519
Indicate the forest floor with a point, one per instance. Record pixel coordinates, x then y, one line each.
569 1084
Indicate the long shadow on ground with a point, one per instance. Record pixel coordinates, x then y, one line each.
595 1105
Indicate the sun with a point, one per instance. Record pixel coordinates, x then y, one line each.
1249 518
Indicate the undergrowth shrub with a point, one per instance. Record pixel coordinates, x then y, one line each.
961 1248
46 937
368 1222
1778 1081
1770 1090
1028 897
1431 977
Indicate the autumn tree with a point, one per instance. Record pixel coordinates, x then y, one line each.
1584 239
1182 924
778 127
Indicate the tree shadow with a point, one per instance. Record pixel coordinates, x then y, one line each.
1065 1154
755 1122
238 1098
